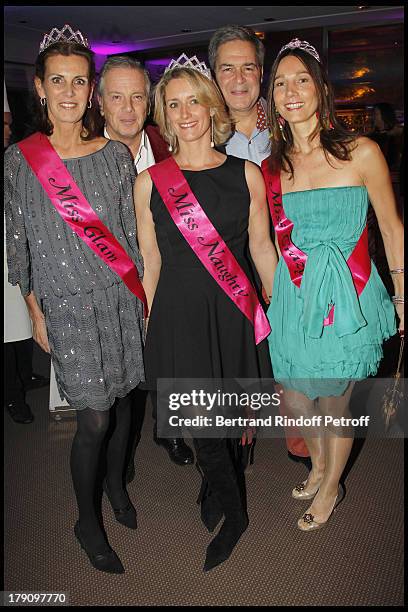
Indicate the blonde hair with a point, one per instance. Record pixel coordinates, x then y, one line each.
208 95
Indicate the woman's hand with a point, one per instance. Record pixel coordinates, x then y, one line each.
38 320
40 334
146 236
249 432
261 247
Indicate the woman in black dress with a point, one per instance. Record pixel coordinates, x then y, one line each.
195 329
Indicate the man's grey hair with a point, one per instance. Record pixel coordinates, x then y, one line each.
123 61
234 32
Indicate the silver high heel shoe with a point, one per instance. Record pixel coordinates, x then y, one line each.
299 491
307 522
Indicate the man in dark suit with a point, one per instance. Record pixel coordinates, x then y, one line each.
236 57
124 101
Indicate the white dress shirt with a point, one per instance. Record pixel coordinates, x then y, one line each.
144 157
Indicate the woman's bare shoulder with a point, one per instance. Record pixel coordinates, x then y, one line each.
365 149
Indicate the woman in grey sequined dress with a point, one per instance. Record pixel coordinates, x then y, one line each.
82 312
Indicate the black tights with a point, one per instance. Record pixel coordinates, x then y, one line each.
94 427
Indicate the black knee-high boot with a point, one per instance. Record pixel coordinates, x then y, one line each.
215 462
210 508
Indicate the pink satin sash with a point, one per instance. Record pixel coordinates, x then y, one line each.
359 261
74 209
207 244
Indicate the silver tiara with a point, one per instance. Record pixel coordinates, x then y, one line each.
303 45
66 34
189 62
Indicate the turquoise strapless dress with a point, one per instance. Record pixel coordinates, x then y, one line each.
307 356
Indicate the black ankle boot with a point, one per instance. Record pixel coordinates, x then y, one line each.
126 516
104 561
221 547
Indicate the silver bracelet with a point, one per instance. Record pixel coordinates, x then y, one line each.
397 271
397 299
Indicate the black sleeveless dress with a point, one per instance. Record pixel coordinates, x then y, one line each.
195 329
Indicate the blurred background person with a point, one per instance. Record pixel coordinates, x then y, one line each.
7 119
18 343
388 134
17 351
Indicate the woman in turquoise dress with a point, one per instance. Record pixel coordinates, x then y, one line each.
327 331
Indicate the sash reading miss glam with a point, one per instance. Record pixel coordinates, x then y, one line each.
76 211
207 244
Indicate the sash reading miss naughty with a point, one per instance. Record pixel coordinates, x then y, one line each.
359 261
207 244
75 210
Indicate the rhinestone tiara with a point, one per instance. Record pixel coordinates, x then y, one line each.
303 45
66 34
189 62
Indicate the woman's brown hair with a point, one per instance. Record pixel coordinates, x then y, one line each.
90 120
334 138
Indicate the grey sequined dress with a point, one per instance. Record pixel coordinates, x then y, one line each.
94 322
